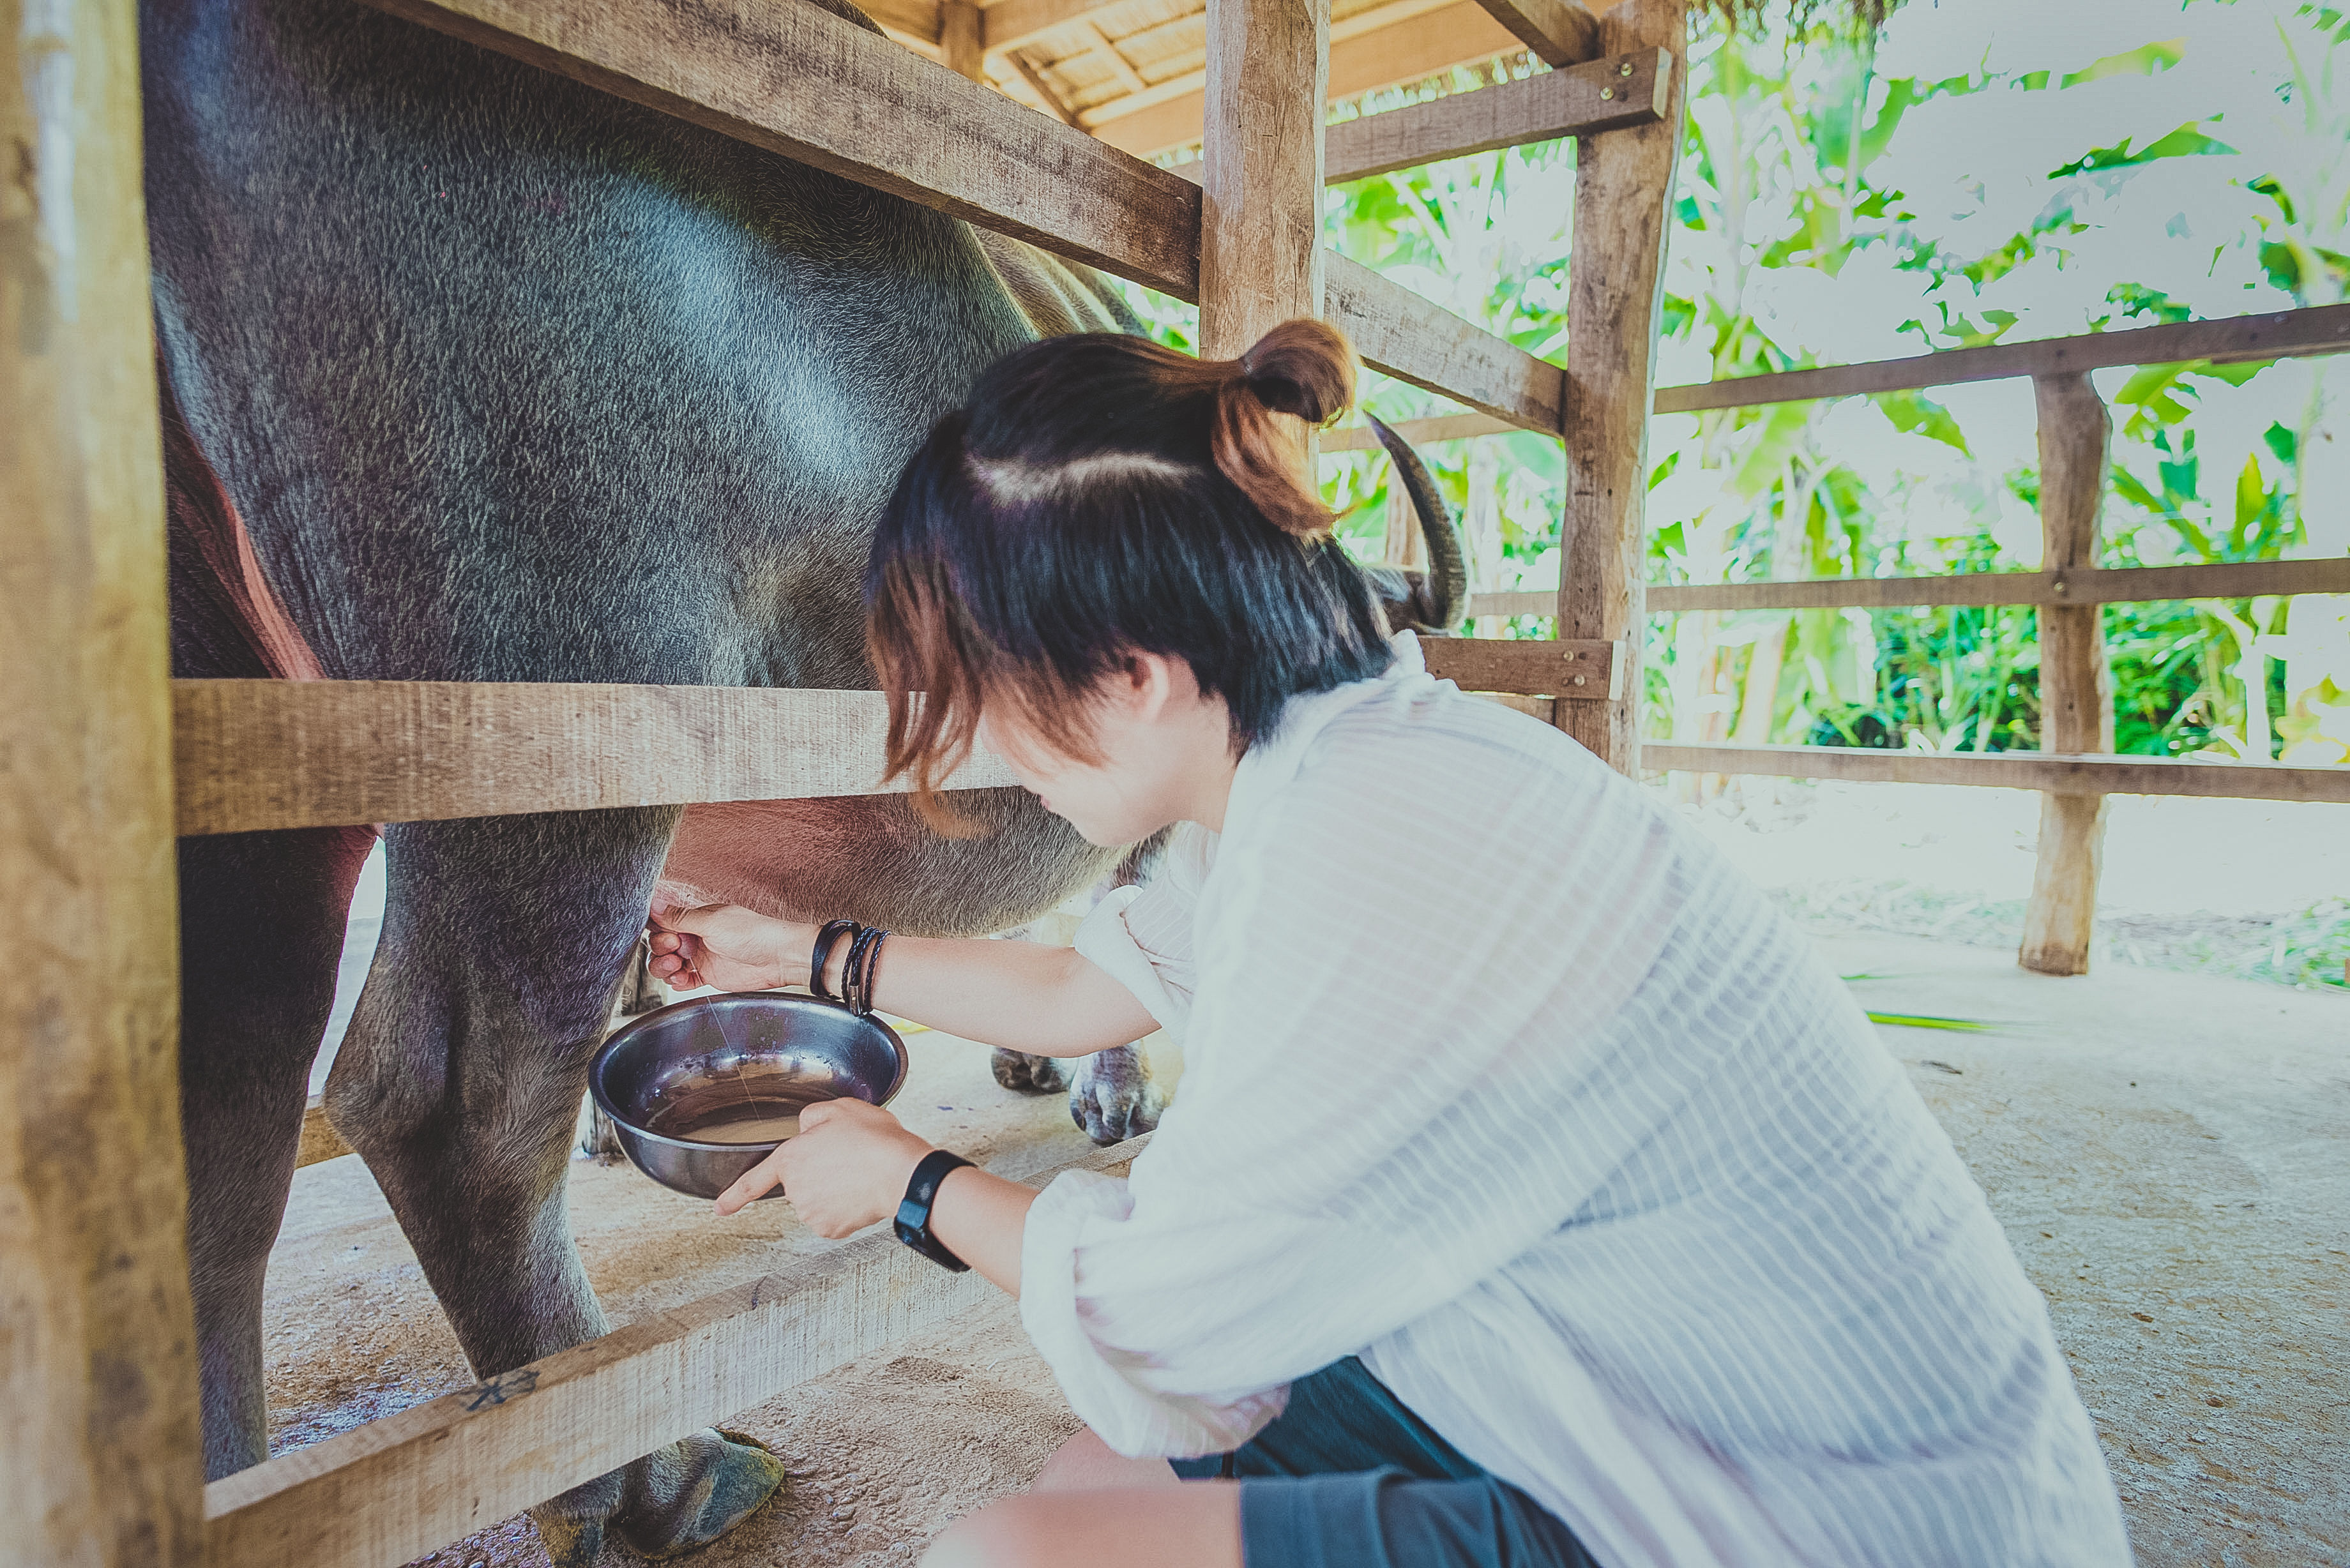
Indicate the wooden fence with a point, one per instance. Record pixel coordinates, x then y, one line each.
103 1466
2076 771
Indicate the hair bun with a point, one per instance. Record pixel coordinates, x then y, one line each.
1303 367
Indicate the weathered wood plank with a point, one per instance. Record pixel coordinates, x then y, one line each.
2010 770
2076 701
1261 253
1622 193
1029 74
390 1491
1421 45
253 754
2288 334
1416 340
101 1455
1557 32
320 1141
1581 101
800 81
1009 24
960 35
924 21
1422 432
1573 671
2121 585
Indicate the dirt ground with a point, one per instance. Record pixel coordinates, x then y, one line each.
2170 1154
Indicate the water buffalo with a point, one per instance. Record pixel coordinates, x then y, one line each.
474 373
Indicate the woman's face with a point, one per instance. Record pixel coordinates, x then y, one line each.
1163 755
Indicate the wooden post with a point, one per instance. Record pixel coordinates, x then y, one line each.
101 1454
1623 194
959 39
2077 704
1261 217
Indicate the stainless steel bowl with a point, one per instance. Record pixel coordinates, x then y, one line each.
673 1080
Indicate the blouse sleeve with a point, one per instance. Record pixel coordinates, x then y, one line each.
1391 1092
1141 937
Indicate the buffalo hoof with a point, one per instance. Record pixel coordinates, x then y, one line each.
676 1499
1026 1075
1114 1097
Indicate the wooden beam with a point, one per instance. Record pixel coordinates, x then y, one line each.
1379 17
1581 101
1261 254
320 1141
1043 90
392 1491
799 81
1423 433
1623 194
2121 585
1529 667
1427 44
922 20
1557 32
1119 65
1012 23
959 40
2287 334
1421 342
253 754
2077 698
2010 770
1543 708
101 1455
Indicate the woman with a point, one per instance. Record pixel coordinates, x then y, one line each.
1535 1195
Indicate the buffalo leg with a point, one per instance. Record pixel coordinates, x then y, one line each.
505 943
261 930
1112 1096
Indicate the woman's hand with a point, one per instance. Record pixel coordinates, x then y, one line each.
847 1167
730 947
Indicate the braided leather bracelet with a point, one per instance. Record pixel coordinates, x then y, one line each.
857 979
829 933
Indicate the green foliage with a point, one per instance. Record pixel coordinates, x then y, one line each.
1823 217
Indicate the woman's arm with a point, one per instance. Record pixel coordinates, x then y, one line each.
850 1165
1024 996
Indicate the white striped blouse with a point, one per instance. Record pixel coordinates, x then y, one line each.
1499 1078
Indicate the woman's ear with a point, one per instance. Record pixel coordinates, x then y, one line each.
1146 684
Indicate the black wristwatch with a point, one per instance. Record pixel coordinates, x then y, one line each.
914 1213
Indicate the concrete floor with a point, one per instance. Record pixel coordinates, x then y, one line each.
2170 1154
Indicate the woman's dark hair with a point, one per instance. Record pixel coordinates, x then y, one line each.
1103 496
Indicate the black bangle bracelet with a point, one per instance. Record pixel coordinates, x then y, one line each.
830 932
856 977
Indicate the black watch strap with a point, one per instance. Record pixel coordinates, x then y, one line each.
914 1213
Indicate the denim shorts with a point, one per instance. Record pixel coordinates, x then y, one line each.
1349 1478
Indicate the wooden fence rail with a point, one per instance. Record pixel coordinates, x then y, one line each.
2089 773
2121 585
399 1487
254 754
2283 335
